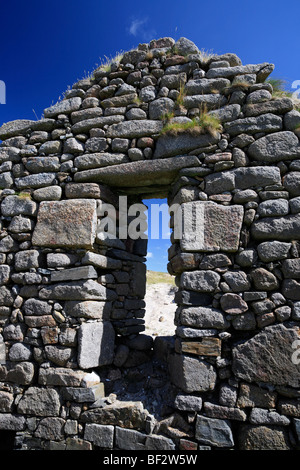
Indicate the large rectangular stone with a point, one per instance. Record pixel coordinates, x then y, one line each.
80 290
168 146
73 274
208 226
100 435
82 395
191 374
69 224
139 173
133 129
96 342
88 309
205 347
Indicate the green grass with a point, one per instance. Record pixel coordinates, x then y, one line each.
278 86
204 123
156 277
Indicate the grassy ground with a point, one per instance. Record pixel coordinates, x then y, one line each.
154 277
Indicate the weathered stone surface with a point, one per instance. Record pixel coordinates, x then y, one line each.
238 70
252 125
208 226
267 357
133 129
20 224
200 281
4 274
89 309
59 355
272 251
233 304
253 437
6 297
50 429
82 272
167 146
27 259
39 180
66 223
21 373
80 190
273 208
210 102
276 106
99 160
261 416
15 205
291 289
57 376
264 279
291 182
63 107
204 347
6 401
80 290
291 268
11 422
188 402
252 396
227 113
280 228
244 322
60 260
20 352
84 395
13 128
158 108
203 317
39 402
191 374
224 412
51 193
98 122
204 85
140 173
215 432
295 205
275 147
125 414
237 280
241 178
101 261
95 344
101 435
184 47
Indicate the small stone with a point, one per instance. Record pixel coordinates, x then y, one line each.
273 251
233 304
101 435
264 280
215 432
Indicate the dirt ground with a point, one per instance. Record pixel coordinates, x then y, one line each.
160 309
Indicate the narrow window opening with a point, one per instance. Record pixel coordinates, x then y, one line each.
160 285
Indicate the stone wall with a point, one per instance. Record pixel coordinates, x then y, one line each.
77 371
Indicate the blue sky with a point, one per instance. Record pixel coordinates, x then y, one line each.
48 45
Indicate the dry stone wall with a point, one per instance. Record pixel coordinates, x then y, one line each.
77 371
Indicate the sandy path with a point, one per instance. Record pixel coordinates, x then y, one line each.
160 309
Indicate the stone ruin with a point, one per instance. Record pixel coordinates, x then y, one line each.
77 371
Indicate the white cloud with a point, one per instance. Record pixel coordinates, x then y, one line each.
149 255
136 25
138 28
